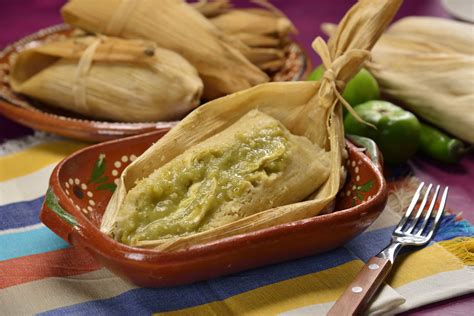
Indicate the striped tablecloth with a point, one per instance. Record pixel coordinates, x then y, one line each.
40 273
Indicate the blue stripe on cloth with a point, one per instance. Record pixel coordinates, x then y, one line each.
143 301
451 228
19 244
369 244
16 215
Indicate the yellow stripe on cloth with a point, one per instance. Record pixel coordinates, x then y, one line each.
34 158
427 262
462 248
315 288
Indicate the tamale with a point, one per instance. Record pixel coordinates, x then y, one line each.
265 30
427 64
253 21
109 78
253 165
175 25
307 109
264 22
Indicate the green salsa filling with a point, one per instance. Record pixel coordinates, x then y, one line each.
186 194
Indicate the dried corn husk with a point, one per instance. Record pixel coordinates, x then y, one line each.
262 57
428 65
175 25
308 109
211 8
254 21
258 40
266 30
266 20
109 78
448 33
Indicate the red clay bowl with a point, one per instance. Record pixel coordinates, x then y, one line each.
36 115
82 184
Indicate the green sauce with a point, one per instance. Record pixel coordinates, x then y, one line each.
187 194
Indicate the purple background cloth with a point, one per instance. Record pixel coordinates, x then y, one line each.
21 17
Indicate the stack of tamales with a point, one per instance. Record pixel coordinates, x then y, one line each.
193 51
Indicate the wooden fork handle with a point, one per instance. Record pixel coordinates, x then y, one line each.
357 296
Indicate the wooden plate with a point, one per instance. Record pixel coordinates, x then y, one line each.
82 184
40 116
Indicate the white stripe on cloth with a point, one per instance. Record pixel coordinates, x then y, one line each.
26 188
386 300
65 291
21 229
435 288
18 144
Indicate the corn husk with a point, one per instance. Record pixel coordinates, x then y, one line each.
309 109
265 20
427 64
211 8
109 78
258 40
254 21
175 25
266 30
456 35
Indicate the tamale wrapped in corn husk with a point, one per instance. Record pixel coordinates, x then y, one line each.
175 25
109 78
253 165
308 110
265 20
266 30
253 21
427 64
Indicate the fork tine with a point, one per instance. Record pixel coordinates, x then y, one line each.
442 204
413 223
426 219
410 208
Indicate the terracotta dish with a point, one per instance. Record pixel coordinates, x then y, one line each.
36 115
82 184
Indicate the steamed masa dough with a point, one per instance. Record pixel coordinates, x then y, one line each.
253 165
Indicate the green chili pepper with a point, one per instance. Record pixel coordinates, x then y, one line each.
436 144
397 132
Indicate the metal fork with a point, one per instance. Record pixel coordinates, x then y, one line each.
411 231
